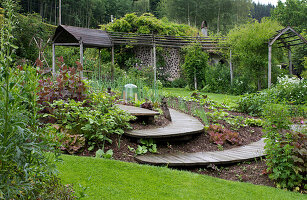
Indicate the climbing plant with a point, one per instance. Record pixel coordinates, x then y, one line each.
148 24
194 67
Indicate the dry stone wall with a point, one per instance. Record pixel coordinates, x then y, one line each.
171 58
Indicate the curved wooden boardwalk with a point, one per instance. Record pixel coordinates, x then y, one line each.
181 125
136 111
248 152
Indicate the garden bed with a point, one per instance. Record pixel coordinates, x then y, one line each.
252 172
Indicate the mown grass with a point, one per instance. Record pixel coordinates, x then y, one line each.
219 98
110 179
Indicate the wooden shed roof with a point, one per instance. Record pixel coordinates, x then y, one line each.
71 36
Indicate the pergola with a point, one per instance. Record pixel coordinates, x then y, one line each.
80 37
287 38
93 38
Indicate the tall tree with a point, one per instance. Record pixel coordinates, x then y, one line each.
261 10
221 15
293 13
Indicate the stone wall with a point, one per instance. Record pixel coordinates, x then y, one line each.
171 58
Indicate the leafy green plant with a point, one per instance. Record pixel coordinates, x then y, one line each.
287 91
147 145
196 61
201 113
101 154
235 122
217 79
254 122
285 150
95 121
25 170
217 115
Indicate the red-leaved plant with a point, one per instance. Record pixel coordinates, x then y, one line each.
218 135
67 84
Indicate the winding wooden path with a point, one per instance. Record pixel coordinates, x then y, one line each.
239 154
181 125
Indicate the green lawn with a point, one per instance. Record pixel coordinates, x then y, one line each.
110 179
220 98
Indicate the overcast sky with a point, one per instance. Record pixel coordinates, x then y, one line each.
273 2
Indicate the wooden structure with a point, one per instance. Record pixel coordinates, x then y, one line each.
181 125
92 38
164 40
287 38
239 154
136 111
79 37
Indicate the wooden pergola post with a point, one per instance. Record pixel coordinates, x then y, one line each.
230 67
113 62
53 59
154 64
99 64
81 56
290 61
269 66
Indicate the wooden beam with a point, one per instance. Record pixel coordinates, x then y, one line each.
67 44
53 59
81 56
290 61
230 67
155 67
269 65
99 70
60 12
113 62
290 45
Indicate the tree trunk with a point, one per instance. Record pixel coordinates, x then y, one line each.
259 85
195 80
41 9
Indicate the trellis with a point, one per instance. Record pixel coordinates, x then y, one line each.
287 38
91 38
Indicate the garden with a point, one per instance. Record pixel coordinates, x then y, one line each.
95 127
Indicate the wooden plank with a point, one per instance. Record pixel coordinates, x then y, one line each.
181 125
137 111
205 158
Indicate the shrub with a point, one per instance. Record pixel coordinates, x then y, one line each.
66 85
285 149
24 169
286 91
195 64
292 90
94 121
218 79
253 103
242 85
178 83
